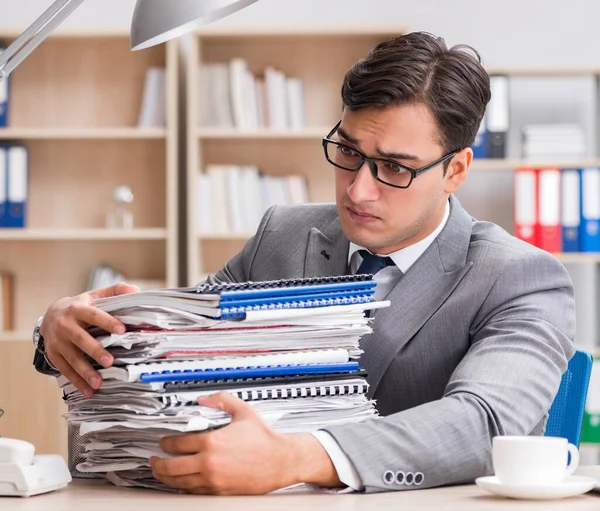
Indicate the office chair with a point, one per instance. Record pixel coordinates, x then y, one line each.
566 413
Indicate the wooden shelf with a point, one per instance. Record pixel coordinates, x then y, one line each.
316 133
512 163
108 133
76 234
75 103
578 257
19 336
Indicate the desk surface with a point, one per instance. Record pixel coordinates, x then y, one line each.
102 496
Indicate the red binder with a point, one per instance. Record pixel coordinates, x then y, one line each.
537 207
526 209
549 209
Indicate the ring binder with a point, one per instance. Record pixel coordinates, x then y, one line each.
235 313
234 286
281 393
202 385
247 372
231 301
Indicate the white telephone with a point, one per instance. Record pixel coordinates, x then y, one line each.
23 474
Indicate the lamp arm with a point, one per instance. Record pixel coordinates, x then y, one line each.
33 36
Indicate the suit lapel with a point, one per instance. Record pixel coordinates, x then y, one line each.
418 295
326 251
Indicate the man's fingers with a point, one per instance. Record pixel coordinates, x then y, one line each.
229 403
183 482
174 467
81 366
68 372
96 317
190 443
117 289
87 344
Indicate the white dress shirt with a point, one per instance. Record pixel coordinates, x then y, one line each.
386 279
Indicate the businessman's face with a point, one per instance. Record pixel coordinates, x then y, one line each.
377 216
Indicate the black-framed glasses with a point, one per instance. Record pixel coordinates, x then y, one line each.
385 171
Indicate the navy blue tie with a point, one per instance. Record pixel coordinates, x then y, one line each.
373 263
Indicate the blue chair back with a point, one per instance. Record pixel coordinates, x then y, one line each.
566 413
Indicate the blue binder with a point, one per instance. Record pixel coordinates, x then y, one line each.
4 99
571 209
17 167
3 187
248 372
481 140
589 229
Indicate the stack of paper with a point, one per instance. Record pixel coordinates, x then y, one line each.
289 348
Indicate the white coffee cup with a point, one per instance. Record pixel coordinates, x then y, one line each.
533 460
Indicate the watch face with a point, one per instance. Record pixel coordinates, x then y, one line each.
37 336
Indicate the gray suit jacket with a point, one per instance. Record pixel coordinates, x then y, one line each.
479 332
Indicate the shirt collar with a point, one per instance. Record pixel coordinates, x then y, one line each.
407 256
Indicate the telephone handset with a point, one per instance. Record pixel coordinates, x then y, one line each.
23 473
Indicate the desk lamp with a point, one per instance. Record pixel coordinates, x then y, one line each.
154 22
22 473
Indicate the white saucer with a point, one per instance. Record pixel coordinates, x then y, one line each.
571 486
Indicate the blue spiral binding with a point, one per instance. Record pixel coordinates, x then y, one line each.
237 313
247 372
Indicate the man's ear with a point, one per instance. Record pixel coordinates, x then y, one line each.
458 169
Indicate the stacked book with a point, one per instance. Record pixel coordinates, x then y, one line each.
553 141
234 198
232 96
290 348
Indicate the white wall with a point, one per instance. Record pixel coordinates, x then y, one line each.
507 32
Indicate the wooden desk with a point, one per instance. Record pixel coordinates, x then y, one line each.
101 496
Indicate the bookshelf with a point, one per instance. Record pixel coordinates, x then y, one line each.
75 104
320 57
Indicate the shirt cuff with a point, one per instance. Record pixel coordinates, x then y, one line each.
343 466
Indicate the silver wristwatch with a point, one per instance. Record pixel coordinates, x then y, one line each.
38 340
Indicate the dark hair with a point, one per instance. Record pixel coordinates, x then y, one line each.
419 68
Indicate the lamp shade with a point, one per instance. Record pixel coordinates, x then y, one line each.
157 21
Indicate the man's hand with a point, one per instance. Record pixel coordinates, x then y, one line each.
66 339
244 458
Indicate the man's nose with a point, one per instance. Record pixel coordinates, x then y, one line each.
365 187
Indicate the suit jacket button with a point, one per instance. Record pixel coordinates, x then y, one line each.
410 478
419 478
400 477
388 477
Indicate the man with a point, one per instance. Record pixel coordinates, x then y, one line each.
480 327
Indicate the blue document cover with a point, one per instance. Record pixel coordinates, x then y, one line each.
248 372
571 209
17 168
589 232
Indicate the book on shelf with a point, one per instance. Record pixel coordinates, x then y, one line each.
104 275
498 117
14 175
231 96
4 99
6 302
153 109
553 141
233 198
558 209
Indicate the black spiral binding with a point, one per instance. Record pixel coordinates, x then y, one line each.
304 281
268 394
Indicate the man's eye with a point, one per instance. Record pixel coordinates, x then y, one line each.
346 151
396 169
